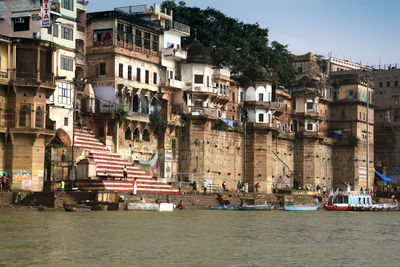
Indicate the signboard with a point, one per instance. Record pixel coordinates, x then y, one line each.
46 14
362 172
22 177
168 155
168 169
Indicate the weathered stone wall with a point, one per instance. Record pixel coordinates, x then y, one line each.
212 154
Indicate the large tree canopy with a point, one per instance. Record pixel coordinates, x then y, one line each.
240 46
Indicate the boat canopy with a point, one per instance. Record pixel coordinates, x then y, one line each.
384 177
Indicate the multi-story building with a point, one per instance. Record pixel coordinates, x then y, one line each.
24 124
387 121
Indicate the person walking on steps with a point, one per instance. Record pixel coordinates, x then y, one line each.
134 189
125 173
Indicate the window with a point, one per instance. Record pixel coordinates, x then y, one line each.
68 4
299 70
155 43
380 84
260 117
208 81
67 64
104 36
241 97
171 75
138 74
67 33
24 116
120 32
278 125
155 77
64 93
310 126
261 97
351 94
21 24
144 106
147 76
343 115
146 135
138 38
102 69
128 134
129 35
310 105
129 72
147 40
387 84
279 103
396 83
285 127
292 127
55 30
39 118
65 121
198 79
136 135
121 70
233 118
233 96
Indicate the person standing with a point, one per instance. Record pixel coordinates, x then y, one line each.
134 189
3 182
180 205
239 186
257 186
224 186
125 173
205 186
194 187
62 186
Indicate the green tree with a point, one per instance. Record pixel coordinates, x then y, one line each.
240 46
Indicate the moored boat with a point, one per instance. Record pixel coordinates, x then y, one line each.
301 207
356 201
225 207
256 207
78 208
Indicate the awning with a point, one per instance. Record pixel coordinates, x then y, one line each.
21 14
384 177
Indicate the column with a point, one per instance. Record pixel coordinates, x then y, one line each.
38 63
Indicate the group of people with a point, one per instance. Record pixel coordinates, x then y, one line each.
5 183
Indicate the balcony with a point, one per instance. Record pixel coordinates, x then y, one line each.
261 104
310 134
176 26
33 76
201 111
177 54
173 83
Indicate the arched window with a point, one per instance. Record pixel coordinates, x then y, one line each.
136 103
24 116
128 134
39 118
136 135
145 105
146 135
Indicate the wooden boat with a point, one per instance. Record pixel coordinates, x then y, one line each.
376 207
256 207
301 207
226 207
78 208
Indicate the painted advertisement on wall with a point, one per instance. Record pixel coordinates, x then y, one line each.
21 178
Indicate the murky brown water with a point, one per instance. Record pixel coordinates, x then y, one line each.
199 238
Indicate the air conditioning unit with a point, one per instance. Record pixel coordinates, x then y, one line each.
19 20
36 35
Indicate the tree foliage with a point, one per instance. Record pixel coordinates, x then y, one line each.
159 123
220 125
240 46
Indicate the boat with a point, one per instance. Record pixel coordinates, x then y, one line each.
225 207
256 207
355 201
150 206
301 207
78 208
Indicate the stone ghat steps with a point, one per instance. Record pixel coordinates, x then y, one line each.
48 199
126 187
110 166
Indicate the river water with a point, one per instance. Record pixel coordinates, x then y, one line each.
199 238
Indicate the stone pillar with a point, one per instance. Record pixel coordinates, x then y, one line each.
38 63
14 61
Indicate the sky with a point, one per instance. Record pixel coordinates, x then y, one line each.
361 31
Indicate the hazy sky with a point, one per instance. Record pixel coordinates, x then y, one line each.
366 31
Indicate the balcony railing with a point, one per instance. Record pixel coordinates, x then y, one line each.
174 25
197 111
102 43
104 106
33 76
173 52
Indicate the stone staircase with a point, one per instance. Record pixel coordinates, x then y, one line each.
110 166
